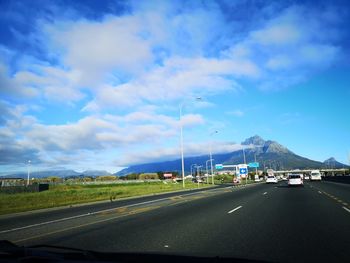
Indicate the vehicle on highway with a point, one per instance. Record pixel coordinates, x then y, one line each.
295 180
315 175
307 177
271 179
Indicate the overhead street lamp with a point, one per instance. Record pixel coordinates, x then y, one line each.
182 143
28 173
211 158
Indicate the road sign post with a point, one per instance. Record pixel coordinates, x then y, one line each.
243 171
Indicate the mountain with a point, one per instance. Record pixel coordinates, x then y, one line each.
269 154
255 140
333 163
42 174
94 173
59 173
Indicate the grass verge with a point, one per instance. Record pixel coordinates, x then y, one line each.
62 195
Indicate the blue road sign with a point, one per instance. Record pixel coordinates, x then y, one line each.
243 170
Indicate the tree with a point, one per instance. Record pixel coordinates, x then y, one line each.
160 175
132 176
54 179
106 178
148 176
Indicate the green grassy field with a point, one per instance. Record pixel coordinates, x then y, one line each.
61 195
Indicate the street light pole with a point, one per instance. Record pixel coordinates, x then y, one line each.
211 158
182 143
243 155
256 168
191 168
206 166
244 163
182 149
28 173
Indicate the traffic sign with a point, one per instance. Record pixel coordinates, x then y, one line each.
243 171
219 166
253 165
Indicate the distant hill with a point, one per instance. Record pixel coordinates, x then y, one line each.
333 163
94 173
60 173
42 174
269 154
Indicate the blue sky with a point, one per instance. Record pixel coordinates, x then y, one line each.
98 84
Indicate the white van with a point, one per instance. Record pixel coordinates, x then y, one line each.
315 175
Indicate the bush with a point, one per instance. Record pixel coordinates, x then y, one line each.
106 178
148 176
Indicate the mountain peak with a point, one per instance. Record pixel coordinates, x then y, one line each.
330 160
274 147
255 140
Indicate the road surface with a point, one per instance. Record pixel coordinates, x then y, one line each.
263 222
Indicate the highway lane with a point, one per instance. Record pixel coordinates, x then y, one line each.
267 222
337 191
52 214
32 229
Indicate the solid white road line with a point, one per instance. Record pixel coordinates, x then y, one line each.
229 212
346 209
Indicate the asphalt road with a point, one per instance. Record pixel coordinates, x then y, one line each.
264 222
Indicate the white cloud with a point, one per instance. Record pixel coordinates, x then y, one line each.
94 48
10 87
54 83
277 35
178 78
91 133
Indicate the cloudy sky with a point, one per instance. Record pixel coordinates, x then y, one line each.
98 84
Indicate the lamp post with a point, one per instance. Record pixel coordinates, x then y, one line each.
243 155
198 177
206 166
28 173
244 163
211 159
191 168
182 143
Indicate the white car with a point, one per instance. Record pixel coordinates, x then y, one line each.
295 179
315 175
271 179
